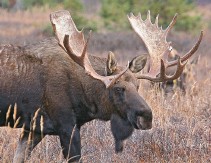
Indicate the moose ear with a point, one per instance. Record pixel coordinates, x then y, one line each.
111 63
138 63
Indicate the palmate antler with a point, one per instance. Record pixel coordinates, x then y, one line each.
154 37
74 44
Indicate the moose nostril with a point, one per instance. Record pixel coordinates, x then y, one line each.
147 114
139 113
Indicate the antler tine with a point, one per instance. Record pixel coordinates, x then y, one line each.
73 43
171 24
156 21
188 54
139 15
148 16
67 48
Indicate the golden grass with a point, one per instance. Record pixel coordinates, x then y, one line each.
22 23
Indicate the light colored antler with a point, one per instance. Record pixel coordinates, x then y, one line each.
74 44
154 38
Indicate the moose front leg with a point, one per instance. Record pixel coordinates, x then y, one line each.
25 146
71 143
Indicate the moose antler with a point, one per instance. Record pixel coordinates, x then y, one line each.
74 44
154 37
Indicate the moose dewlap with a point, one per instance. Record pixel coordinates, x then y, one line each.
53 87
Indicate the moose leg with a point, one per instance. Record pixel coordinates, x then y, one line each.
25 146
65 123
71 144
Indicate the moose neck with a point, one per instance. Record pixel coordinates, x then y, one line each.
97 96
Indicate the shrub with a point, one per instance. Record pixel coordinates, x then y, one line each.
188 20
32 3
114 12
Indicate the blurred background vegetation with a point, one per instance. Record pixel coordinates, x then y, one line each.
112 13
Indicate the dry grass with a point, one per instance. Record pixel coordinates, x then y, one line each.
25 22
23 26
181 125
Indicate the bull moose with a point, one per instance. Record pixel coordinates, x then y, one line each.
53 87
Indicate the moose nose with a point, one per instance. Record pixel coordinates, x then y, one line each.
147 127
144 123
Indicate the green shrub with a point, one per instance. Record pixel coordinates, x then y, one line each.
4 3
31 3
114 12
76 9
73 5
187 21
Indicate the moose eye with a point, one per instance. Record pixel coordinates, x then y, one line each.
119 89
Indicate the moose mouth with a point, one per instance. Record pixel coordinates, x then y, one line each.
138 123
